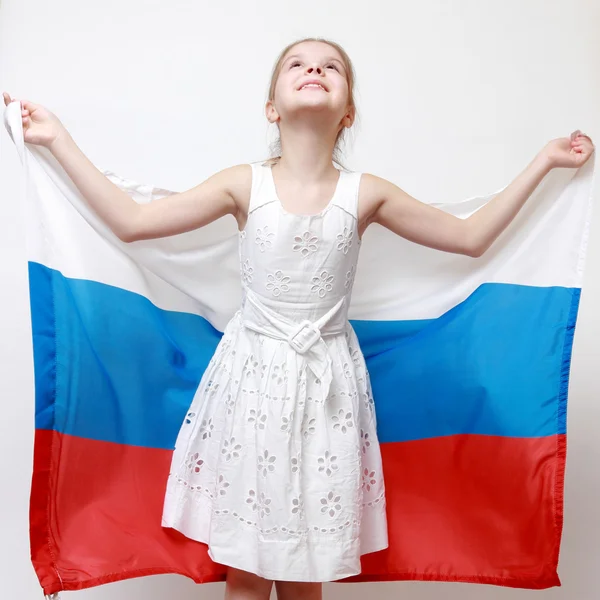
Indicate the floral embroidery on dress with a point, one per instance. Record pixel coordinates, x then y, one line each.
260 504
322 284
364 436
263 238
231 450
368 479
298 506
342 421
212 387
306 243
230 403
279 374
349 277
308 425
266 463
327 464
194 462
247 271
222 485
296 462
258 418
251 366
344 240
331 504
278 282
368 401
206 428
286 422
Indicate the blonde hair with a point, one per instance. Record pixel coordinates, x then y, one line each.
350 78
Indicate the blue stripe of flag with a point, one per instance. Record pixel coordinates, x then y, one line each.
496 364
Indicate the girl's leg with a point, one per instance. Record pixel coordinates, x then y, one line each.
298 590
241 585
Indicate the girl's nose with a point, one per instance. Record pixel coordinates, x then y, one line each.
317 69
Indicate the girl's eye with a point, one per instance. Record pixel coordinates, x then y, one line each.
334 66
294 64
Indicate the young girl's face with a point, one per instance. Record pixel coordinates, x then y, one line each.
307 62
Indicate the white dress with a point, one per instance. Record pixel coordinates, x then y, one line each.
277 466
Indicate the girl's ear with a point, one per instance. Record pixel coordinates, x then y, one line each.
349 117
271 112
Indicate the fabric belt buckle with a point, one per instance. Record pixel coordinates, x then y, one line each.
304 345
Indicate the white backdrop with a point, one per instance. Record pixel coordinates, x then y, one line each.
455 98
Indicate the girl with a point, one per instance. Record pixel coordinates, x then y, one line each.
277 465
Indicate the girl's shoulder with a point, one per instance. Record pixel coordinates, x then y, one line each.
238 182
241 179
372 191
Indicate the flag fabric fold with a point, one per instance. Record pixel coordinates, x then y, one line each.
469 361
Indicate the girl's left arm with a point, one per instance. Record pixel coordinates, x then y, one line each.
399 212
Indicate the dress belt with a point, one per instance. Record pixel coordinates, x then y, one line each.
304 337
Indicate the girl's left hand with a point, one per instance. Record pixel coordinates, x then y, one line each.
569 152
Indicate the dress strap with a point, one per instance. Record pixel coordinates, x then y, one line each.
347 195
260 192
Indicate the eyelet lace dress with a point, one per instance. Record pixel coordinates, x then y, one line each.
277 466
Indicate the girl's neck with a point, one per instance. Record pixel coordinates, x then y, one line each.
306 155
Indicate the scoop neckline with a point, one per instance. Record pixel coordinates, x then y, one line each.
287 212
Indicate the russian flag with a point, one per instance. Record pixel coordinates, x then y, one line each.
469 361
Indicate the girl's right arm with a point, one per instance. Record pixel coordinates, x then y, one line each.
226 192
208 201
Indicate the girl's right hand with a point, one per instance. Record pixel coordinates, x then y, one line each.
40 126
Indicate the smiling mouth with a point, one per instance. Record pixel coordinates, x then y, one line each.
312 85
